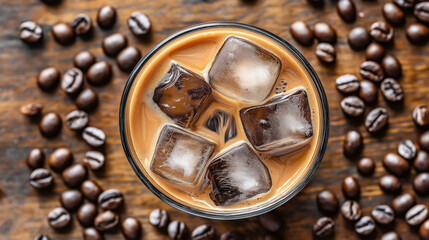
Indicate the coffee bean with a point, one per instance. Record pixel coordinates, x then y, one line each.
71 199
60 159
42 237
91 234
84 60
271 221
106 17
94 160
91 190
326 52
106 221
50 124
404 4
302 33
324 227
72 81
366 166
390 184
63 33
374 52
327 202
231 235
51 2
424 231
59 218
393 14
324 32
30 32
110 199
139 24
99 73
424 141
41 178
74 175
407 149
351 188
351 210
358 38
346 9
365 226
86 214
421 12
159 218
114 43
77 120
416 215
352 144
48 79
131 228
421 163
203 232
177 231
35 158
87 100
82 24
417 33
421 115
347 83
390 236
396 165
376 120
31 109
372 71
402 203
391 66
368 91
128 58
353 106
391 90
381 32
421 183
383 214
93 136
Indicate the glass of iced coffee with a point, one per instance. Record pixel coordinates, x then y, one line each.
224 121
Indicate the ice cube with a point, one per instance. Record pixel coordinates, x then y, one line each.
237 175
222 123
281 125
180 156
244 71
181 94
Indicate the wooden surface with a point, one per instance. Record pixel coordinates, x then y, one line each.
23 211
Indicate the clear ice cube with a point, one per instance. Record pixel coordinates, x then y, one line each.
281 125
244 71
237 175
180 156
181 94
223 124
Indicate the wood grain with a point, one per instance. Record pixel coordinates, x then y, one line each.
23 211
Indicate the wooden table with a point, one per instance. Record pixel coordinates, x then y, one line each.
23 211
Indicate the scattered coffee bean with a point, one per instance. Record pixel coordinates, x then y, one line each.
35 158
30 32
77 120
106 17
31 109
94 136
91 190
302 33
128 58
365 226
407 149
347 83
404 4
366 166
416 215
327 202
42 237
87 100
324 32
203 232
421 163
110 199
358 38
424 231
390 184
91 234
231 235
421 12
424 140
376 120
71 199
368 91
353 106
72 81
63 33
84 60
402 203
131 228
383 214
74 175
346 9
351 188
391 90
50 124
94 160
82 24
99 73
324 227
421 116
326 52
106 221
59 218
390 236
381 32
48 79
391 67
60 159
159 218
271 221
353 143
177 231
114 43
417 33
41 178
421 183
139 24
374 52
393 14
396 165
351 210
372 71
86 214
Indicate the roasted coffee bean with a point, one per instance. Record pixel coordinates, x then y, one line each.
402 203
368 91
417 33
353 106
42 237
99 73
407 149
351 188
114 43
391 67
87 100
326 52
405 4
139 24
421 163
424 231
347 83
91 234
106 221
86 214
390 236
72 81
77 120
390 184
91 190
71 199
324 227
159 218
41 178
324 32
94 160
374 52
365 226
358 38
203 232
48 79
131 228
84 60
31 109
231 235
346 9
271 221
178 231
381 32
106 17
74 175
59 218
50 125
128 58
383 214
376 120
424 141
372 71
391 90
353 143
393 14
82 24
421 12
63 33
351 210
60 159
327 202
93 136
366 166
35 158
30 32
110 199
302 33
421 183
421 115
416 215
396 165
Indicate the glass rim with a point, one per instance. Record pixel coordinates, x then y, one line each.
237 215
